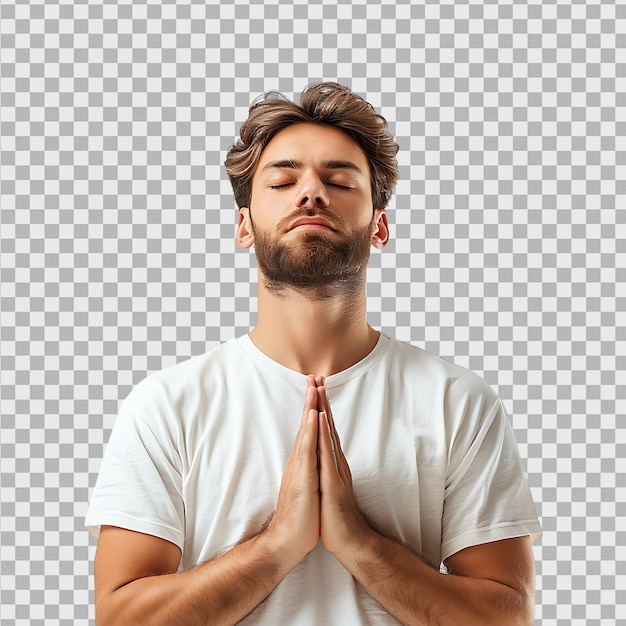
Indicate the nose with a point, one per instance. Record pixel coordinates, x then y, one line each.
311 191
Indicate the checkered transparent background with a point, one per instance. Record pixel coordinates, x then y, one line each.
117 255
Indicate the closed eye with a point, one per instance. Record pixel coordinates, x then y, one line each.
285 185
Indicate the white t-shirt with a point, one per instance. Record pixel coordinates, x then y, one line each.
197 454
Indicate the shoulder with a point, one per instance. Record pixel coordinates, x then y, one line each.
187 373
455 379
181 389
445 389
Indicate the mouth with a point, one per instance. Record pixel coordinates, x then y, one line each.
312 224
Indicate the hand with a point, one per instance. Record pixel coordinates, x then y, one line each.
296 522
341 524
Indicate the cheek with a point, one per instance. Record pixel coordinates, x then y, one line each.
363 216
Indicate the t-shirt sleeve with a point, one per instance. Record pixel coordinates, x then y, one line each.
486 495
139 487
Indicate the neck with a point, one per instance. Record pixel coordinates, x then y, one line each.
318 332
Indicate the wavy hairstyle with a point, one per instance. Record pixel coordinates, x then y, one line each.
323 103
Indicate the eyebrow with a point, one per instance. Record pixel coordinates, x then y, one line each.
327 165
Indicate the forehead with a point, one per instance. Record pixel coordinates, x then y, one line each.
313 144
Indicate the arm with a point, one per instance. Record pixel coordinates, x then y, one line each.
136 575
488 584
137 581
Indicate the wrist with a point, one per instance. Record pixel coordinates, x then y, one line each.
278 548
360 539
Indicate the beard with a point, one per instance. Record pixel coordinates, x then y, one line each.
317 262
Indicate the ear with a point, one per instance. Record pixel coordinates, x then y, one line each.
381 231
244 235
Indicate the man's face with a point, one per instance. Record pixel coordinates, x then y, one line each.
311 217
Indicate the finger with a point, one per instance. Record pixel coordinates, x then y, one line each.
310 382
340 458
324 405
323 399
327 446
309 413
307 442
311 400
306 438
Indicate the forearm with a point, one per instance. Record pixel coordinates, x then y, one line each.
221 591
416 594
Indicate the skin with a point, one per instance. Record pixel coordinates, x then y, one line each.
311 331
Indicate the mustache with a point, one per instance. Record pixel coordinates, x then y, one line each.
311 211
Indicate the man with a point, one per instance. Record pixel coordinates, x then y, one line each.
315 471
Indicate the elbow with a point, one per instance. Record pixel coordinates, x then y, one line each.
108 611
520 607
527 612
526 604
506 606
104 614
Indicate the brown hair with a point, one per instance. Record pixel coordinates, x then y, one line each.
323 103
